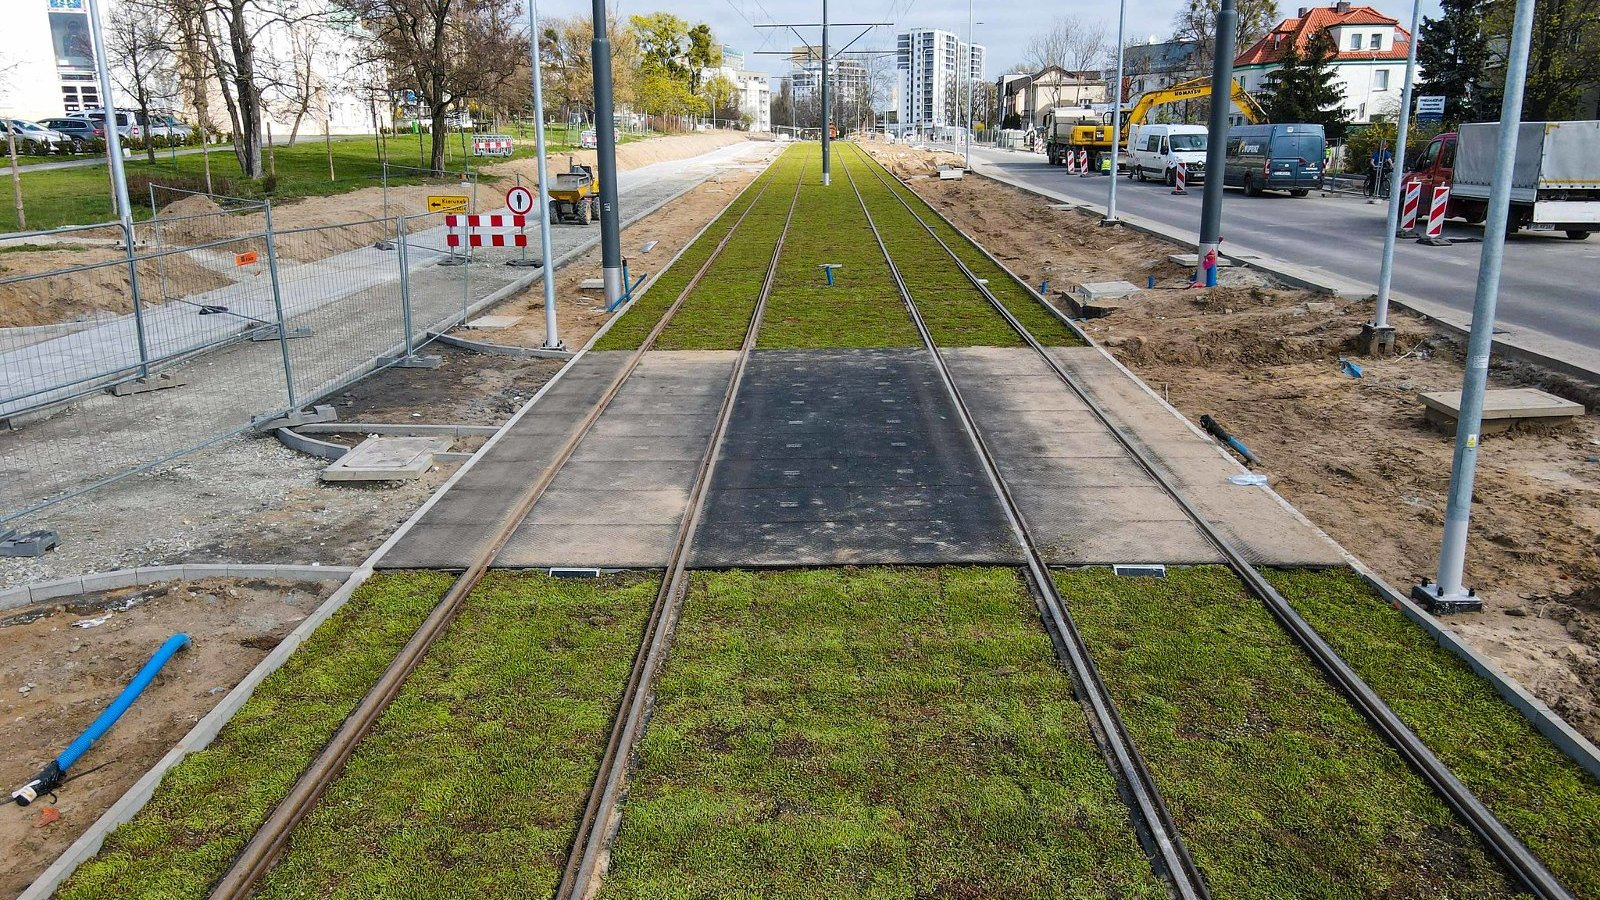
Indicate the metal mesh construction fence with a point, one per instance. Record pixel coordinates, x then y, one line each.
219 322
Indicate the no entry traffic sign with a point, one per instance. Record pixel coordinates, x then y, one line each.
519 200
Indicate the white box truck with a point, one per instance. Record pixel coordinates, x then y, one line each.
1555 177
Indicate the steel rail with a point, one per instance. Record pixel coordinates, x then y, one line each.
1516 856
272 837
1172 859
585 866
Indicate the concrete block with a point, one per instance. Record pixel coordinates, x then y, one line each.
1190 260
11 598
110 581
951 174
50 590
152 383
387 459
592 284
201 571
1502 408
1101 298
493 323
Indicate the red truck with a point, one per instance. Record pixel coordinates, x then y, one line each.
1555 184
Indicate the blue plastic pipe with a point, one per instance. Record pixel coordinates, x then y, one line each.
52 775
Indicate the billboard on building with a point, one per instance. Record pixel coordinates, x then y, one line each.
69 32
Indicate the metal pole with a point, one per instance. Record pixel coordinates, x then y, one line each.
823 74
606 160
1448 593
552 340
970 29
119 180
1216 144
277 306
405 283
1379 334
1116 119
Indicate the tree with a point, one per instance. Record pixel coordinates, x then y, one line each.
704 53
139 52
445 50
1563 57
1071 44
671 56
1196 21
1303 88
564 49
722 95
1453 55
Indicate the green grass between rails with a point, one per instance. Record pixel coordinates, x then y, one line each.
472 783
877 732
1539 793
862 309
956 313
208 806
631 329
1046 328
1278 786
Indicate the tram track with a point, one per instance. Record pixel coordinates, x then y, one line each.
1521 862
270 840
1173 861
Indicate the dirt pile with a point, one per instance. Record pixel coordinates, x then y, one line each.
88 283
1353 454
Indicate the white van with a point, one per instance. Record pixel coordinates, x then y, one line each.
1156 150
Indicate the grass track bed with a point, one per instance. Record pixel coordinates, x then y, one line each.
862 309
1049 330
211 803
1540 794
956 313
472 782
876 733
631 329
1278 786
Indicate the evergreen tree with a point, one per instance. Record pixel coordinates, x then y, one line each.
1302 88
1454 59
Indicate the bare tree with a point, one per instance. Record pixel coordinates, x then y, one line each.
1071 44
139 39
445 50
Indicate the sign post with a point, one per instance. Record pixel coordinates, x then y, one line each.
1430 109
520 201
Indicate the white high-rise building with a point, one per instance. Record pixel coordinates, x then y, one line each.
935 70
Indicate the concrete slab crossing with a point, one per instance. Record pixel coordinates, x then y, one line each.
848 457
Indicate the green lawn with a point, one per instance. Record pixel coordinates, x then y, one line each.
1539 793
472 782
210 804
83 195
1277 784
870 733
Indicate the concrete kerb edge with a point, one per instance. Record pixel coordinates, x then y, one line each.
485 347
198 738
40 592
1550 724
206 730
1289 274
1578 748
302 443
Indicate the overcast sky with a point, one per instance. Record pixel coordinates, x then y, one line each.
1005 30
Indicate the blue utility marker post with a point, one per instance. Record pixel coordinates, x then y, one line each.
827 270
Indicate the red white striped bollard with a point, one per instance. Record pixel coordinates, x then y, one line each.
1072 163
1408 209
1180 178
1083 164
1435 234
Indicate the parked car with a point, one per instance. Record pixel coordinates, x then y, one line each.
78 131
168 126
128 126
1157 149
1285 157
1555 179
32 137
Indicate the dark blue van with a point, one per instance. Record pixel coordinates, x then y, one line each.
1275 158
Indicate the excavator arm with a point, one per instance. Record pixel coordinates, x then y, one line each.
1194 89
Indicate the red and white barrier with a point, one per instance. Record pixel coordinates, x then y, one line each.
489 221
467 237
1441 200
492 145
1072 163
485 240
1083 163
1180 178
1410 207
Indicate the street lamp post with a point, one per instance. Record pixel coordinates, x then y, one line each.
552 340
1116 119
1377 338
970 56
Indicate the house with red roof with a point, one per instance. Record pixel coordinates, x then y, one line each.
1369 56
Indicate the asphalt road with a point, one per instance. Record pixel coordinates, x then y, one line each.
1549 286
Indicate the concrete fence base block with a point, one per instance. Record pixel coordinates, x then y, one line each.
150 383
414 361
297 417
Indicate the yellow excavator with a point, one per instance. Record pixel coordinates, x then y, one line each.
1067 131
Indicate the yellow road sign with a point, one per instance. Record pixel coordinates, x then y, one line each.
447 203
